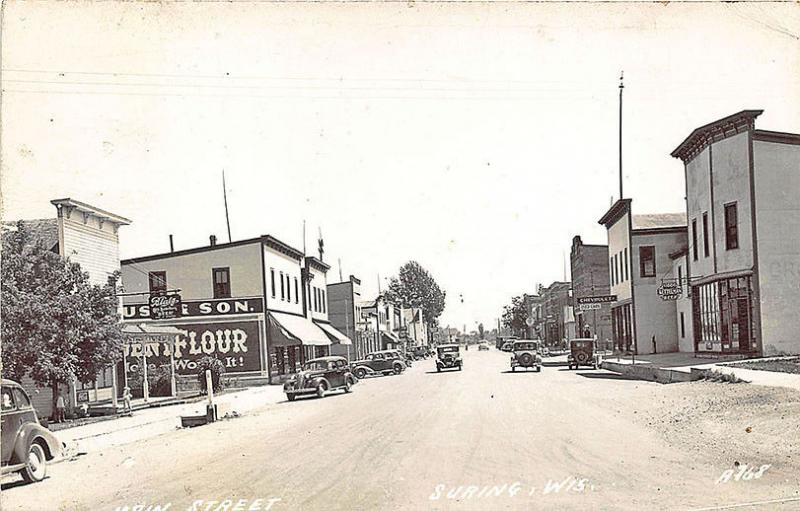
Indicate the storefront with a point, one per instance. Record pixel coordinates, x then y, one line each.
621 325
294 340
723 315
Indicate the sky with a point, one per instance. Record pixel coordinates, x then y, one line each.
476 139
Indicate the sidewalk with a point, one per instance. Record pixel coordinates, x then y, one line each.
679 364
150 422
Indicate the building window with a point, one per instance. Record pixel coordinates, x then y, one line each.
680 278
283 288
288 289
694 239
647 261
625 262
705 234
222 282
296 292
611 269
683 327
324 305
158 281
731 227
614 269
272 280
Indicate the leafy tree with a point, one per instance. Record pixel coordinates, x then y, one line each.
415 287
217 371
514 315
56 324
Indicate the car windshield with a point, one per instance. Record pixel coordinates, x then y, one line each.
448 349
527 346
581 344
315 365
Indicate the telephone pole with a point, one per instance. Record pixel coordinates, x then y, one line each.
621 87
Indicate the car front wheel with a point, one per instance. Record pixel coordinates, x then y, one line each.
321 388
398 369
361 373
348 385
36 466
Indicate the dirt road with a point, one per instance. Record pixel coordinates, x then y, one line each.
422 439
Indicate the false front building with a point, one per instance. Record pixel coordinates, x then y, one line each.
258 305
743 259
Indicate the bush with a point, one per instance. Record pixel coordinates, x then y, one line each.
217 370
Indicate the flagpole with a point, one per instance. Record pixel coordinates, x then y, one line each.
225 198
621 87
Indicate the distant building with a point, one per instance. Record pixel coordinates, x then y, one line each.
417 329
589 270
344 302
743 262
639 248
556 303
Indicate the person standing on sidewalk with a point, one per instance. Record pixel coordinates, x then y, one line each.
126 400
61 408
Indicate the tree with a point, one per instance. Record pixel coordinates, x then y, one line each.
514 315
480 330
415 287
56 324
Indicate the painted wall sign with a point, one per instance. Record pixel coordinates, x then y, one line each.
236 344
165 306
200 308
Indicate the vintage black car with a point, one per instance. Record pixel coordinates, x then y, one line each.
448 357
583 352
420 352
320 376
27 446
526 354
379 362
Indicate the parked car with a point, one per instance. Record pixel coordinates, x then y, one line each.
420 352
27 446
448 357
583 352
508 346
526 354
378 362
320 376
483 346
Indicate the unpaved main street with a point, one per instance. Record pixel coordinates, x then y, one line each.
410 442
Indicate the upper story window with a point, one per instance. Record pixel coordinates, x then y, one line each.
288 288
283 288
222 282
157 281
324 305
625 263
731 227
296 291
647 261
705 234
272 280
694 239
680 277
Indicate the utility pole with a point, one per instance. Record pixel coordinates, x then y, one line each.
225 198
621 87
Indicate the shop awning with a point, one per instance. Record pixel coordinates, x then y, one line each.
336 336
289 330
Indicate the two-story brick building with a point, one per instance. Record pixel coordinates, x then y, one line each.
743 258
589 274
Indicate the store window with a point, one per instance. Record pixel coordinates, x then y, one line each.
222 282
157 281
731 227
647 261
723 316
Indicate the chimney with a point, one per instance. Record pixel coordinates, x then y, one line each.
213 240
171 245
